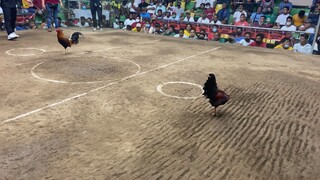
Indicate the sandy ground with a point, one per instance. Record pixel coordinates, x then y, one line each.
95 112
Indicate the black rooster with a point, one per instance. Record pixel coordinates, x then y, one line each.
216 97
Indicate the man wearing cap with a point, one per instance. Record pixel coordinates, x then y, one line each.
188 18
9 8
137 28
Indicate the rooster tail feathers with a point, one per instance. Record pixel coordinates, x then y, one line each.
75 37
210 86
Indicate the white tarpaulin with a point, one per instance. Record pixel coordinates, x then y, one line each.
301 2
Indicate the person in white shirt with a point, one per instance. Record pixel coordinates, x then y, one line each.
289 26
160 6
167 15
151 8
247 39
282 18
238 13
215 20
174 16
203 19
307 27
179 10
188 18
129 21
303 47
181 34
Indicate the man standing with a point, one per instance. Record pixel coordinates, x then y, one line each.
9 8
52 12
96 7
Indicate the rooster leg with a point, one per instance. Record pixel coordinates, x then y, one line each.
214 111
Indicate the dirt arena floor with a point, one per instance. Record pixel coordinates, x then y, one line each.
123 105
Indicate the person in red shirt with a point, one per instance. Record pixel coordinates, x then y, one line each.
242 21
209 11
259 41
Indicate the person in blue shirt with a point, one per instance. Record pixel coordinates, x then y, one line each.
283 4
224 14
144 14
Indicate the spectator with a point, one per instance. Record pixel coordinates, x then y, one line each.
215 20
203 19
238 35
179 10
188 30
51 7
144 14
303 47
209 10
174 16
247 39
82 22
249 7
201 35
169 31
314 15
285 3
199 2
238 13
255 17
214 28
161 7
151 8
146 26
199 11
137 28
242 21
171 8
267 6
9 8
181 34
116 24
284 44
167 16
188 18
282 18
289 26
89 21
298 19
224 14
157 29
314 5
235 4
129 21
259 41
262 23
193 34
159 14
143 4
61 24
217 36
307 27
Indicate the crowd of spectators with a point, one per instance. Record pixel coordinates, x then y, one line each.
156 18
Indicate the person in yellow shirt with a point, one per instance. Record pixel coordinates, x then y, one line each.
298 19
284 44
137 28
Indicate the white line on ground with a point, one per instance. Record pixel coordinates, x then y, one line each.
102 87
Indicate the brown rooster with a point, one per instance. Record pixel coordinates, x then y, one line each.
68 42
216 97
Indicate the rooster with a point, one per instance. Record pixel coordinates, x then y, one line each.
65 42
216 97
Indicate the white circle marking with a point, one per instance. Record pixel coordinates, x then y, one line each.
160 86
